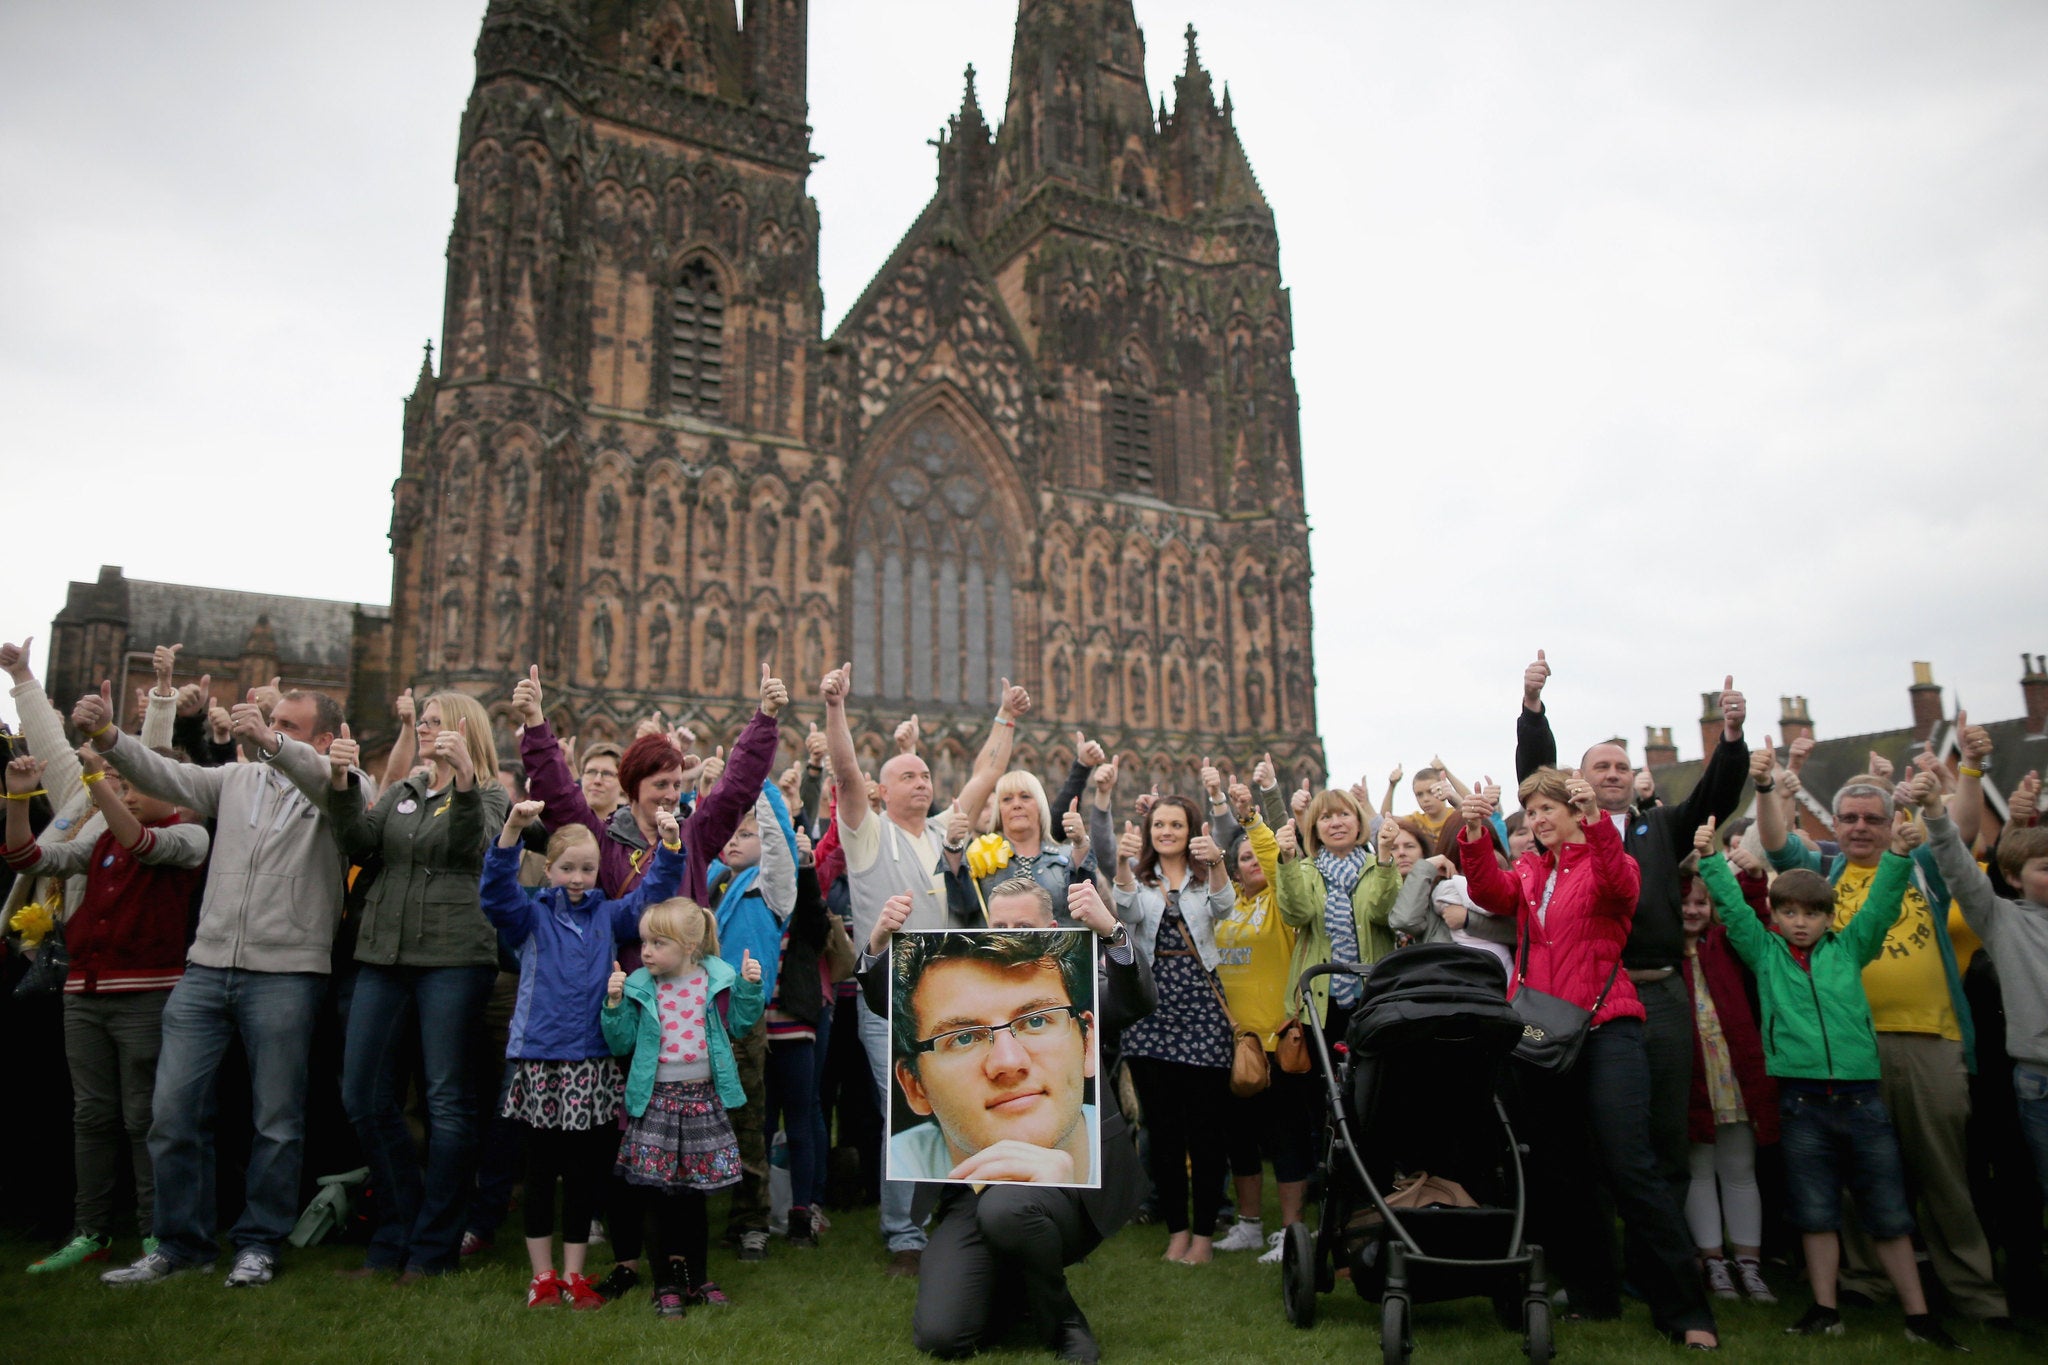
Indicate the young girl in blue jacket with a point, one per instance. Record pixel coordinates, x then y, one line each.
565 1086
676 1018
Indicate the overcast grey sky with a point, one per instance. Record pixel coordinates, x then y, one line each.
1674 339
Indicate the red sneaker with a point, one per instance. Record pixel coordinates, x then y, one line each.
545 1291
581 1293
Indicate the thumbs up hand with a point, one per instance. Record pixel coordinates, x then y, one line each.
1703 838
615 988
749 968
342 754
1130 844
1533 678
1202 849
526 697
452 747
1075 827
94 713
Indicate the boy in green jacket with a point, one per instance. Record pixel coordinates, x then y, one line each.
1821 1046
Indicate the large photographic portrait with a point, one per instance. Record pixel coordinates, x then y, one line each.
993 1054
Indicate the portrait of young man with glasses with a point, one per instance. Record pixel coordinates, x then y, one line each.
993 1052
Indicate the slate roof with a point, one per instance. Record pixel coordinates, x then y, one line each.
1834 761
215 622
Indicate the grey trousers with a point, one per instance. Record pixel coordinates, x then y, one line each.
1927 1089
111 1043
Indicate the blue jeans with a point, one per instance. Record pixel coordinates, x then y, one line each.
501 1156
821 1146
2030 1087
793 1104
421 1228
273 1014
1834 1134
898 1229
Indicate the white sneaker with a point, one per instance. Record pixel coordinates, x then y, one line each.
1246 1234
1274 1243
252 1267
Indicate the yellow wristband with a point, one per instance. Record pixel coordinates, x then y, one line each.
23 796
101 731
89 778
1969 772
675 847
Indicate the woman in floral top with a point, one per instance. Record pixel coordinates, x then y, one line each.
1172 890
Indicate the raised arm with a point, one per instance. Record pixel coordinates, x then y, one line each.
778 852
1617 876
405 746
1864 934
1719 790
43 727
1490 888
1966 807
719 811
182 784
548 779
994 757
1746 933
853 798
1535 746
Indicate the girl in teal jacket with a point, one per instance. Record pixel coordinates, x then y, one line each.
676 1017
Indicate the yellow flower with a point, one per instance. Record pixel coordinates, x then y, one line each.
988 854
33 922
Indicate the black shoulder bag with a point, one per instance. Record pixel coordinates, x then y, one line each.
1553 1029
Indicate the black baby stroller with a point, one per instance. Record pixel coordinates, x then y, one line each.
1416 1094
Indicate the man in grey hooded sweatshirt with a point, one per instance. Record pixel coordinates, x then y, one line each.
257 970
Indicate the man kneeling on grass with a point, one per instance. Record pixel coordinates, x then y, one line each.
1010 1234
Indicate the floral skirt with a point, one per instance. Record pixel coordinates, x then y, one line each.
683 1142
565 1096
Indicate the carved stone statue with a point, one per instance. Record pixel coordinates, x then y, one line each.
1056 582
1062 682
1099 677
657 646
1176 696
511 612
451 618
601 642
1173 596
607 521
714 653
814 650
515 495
712 552
1138 694
767 535
664 527
767 638
1098 589
1209 605
814 547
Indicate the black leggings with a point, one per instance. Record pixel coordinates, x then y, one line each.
681 1233
1185 1109
581 1160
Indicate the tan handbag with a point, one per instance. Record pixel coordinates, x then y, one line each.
1290 1047
1249 1073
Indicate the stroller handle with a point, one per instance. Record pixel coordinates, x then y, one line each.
1332 969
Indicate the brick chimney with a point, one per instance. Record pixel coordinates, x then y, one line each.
1658 750
1793 720
1925 695
1711 723
2034 688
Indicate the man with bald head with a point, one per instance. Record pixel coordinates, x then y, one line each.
1659 838
901 851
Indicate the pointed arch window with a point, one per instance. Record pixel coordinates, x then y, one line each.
696 357
1130 439
1127 425
931 577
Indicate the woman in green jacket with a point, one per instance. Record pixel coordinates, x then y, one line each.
424 951
1337 896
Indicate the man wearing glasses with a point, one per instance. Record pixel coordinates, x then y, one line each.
1015 1121
1924 1041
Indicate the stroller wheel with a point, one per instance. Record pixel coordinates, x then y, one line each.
1536 1342
1395 1343
1298 1275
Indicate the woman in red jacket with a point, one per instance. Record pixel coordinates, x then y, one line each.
1574 894
1734 1106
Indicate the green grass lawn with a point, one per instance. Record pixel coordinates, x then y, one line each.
832 1304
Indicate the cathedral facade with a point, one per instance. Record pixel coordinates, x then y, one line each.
1055 440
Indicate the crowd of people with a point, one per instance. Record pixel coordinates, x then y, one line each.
622 976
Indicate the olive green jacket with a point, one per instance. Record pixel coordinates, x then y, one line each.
423 909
